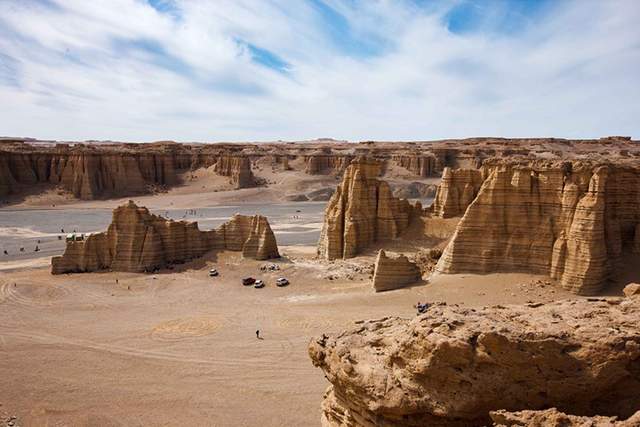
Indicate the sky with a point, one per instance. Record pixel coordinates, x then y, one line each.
264 70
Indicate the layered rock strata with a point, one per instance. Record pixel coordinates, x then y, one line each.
362 211
573 222
325 162
138 241
456 191
420 165
238 168
394 272
452 366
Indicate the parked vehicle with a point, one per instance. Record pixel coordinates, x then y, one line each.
248 281
258 284
213 272
282 282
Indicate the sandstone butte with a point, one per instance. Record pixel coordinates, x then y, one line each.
138 241
393 272
454 366
575 222
362 211
93 170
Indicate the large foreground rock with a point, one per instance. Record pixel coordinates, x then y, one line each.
452 366
573 222
138 241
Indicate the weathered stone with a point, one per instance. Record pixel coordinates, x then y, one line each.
554 418
452 366
236 167
362 211
632 289
456 191
393 272
573 223
138 241
418 164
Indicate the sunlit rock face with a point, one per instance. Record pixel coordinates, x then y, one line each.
454 365
573 222
362 211
138 241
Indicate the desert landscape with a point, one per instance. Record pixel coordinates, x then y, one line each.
115 319
320 213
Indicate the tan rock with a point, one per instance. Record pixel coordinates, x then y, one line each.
138 241
632 289
393 272
238 168
453 365
572 222
554 418
362 211
456 191
420 165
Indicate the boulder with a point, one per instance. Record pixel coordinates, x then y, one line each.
632 289
393 272
453 365
553 417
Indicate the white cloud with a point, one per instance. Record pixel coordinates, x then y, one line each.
123 70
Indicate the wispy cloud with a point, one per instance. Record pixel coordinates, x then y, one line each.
269 69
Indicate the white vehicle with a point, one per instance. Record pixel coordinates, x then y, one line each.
213 272
282 282
258 284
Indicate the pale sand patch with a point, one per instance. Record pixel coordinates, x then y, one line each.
25 264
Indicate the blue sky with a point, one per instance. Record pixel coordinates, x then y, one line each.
233 70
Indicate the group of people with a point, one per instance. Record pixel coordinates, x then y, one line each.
422 307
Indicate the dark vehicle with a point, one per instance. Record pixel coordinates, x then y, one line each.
248 281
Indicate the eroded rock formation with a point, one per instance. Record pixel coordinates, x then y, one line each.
554 418
238 168
324 161
362 211
418 164
452 366
573 222
456 191
138 241
393 272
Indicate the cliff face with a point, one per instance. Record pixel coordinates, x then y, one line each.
452 366
418 164
324 163
362 211
456 191
138 241
393 272
236 167
573 223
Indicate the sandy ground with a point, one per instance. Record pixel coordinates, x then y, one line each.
180 348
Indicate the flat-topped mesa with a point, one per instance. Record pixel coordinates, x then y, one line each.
238 167
394 272
418 164
362 211
453 365
138 241
572 222
456 191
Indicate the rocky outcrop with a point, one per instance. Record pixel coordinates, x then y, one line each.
632 290
394 272
452 366
456 191
553 417
138 241
325 162
362 211
420 165
238 168
573 222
